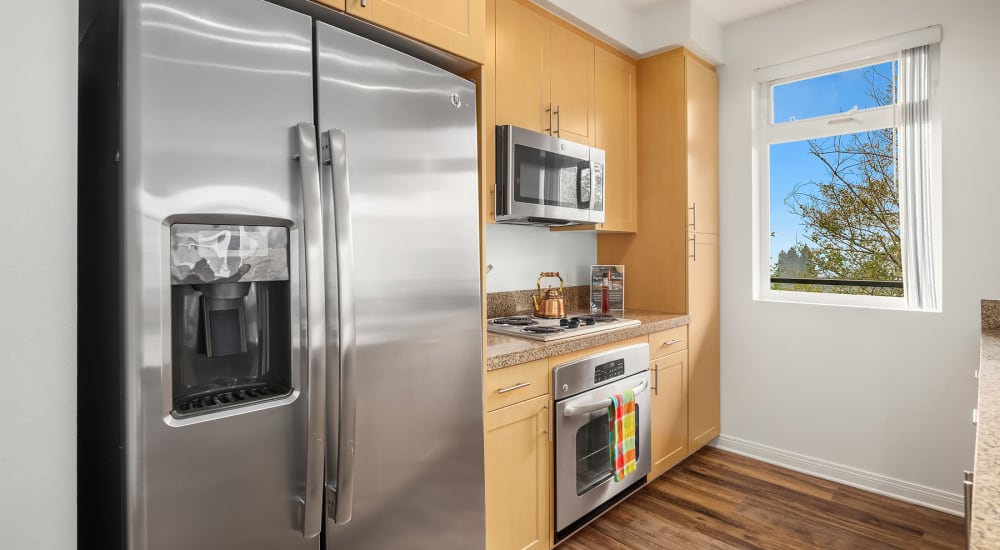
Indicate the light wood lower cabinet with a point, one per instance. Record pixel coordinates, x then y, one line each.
668 411
703 333
518 483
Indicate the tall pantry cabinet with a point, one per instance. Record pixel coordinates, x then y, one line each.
672 262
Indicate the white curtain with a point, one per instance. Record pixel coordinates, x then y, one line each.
915 178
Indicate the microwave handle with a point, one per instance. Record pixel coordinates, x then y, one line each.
596 181
584 166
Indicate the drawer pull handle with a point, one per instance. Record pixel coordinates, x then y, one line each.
514 387
671 342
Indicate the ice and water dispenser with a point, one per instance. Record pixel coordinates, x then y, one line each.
230 316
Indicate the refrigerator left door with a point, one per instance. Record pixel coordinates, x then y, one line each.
217 103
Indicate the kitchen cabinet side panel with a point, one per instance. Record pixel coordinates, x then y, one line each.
485 78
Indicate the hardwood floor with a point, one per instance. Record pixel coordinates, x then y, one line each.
716 500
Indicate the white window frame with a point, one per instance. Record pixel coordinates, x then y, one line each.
766 132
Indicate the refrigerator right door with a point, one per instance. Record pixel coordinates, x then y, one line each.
405 455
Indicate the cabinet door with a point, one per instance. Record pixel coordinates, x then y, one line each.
522 66
572 81
517 476
702 146
615 132
703 339
668 411
335 4
456 26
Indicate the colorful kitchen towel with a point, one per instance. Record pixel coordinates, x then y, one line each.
621 433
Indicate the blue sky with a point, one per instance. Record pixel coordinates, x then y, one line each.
790 162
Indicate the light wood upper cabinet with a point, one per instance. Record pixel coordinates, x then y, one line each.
703 334
615 132
677 166
702 145
335 4
522 66
544 72
572 85
517 476
456 26
668 411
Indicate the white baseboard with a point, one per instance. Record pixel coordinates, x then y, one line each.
936 499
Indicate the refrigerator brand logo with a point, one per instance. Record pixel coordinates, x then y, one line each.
456 101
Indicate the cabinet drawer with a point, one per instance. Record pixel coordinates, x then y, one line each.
514 384
668 341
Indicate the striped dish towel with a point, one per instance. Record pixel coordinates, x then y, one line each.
621 433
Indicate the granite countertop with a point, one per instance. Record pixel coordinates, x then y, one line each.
507 351
986 486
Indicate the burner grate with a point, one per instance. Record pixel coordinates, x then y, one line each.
514 321
542 330
599 317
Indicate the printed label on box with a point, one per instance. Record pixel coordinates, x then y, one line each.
607 288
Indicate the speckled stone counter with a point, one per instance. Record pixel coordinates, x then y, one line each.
506 351
986 494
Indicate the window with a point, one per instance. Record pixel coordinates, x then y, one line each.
847 189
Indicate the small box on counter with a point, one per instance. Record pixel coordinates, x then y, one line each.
607 288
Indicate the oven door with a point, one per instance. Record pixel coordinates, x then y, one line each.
584 474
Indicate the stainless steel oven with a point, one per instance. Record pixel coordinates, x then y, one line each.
584 480
545 180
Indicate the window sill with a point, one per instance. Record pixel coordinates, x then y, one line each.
838 300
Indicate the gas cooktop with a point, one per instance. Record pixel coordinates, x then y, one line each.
545 330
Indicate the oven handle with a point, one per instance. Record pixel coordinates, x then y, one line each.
594 407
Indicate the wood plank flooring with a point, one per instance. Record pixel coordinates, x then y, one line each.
716 500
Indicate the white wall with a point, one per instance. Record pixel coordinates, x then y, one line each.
38 274
885 392
519 253
647 30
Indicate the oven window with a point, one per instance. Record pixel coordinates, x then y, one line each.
543 177
593 452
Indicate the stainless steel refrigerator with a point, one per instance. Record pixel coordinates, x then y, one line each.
280 316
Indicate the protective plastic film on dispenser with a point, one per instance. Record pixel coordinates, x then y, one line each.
227 253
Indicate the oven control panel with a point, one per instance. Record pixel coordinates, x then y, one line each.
606 367
609 370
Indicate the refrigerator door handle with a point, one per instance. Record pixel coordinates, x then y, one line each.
314 320
335 156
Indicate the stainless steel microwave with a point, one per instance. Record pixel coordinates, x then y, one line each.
545 180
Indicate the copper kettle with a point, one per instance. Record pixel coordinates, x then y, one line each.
549 303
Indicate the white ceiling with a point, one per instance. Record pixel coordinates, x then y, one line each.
723 11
